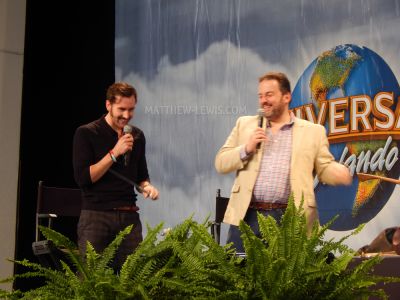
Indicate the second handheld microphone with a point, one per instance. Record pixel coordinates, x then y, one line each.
127 155
260 113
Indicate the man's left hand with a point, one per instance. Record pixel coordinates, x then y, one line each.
149 191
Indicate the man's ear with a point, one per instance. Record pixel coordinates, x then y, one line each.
287 97
108 105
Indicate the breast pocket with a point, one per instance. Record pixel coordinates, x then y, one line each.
235 188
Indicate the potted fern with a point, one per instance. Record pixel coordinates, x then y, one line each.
186 263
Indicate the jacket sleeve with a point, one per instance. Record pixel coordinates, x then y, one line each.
228 157
328 170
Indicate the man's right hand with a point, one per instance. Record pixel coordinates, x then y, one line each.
257 136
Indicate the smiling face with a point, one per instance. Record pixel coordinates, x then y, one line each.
120 112
272 101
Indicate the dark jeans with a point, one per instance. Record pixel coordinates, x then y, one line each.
251 219
101 227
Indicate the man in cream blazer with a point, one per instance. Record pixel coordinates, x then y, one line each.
309 154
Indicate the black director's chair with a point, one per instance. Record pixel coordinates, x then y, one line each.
220 207
52 203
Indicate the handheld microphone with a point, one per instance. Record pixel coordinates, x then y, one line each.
127 155
260 113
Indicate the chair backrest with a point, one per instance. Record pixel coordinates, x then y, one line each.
56 201
220 207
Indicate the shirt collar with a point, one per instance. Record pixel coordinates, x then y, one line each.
287 125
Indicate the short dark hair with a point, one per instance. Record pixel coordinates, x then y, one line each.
120 89
284 83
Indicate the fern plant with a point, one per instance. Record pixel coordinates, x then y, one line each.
197 267
89 278
284 263
186 263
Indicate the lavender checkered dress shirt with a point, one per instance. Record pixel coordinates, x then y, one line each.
273 181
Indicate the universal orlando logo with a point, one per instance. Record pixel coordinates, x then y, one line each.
352 91
367 120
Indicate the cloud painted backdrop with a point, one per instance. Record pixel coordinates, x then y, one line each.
195 64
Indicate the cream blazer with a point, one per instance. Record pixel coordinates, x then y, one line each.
310 155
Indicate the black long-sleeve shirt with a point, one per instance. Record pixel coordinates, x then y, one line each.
91 143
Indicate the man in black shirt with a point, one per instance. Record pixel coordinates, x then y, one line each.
106 161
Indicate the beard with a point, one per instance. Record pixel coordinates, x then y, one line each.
118 121
275 112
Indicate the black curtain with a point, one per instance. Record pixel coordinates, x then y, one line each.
68 65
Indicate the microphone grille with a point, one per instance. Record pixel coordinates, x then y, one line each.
260 112
127 129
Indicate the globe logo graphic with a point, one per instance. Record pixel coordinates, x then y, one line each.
353 92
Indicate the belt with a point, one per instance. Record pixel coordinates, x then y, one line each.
132 208
267 205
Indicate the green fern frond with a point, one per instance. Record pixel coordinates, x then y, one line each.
268 227
109 252
58 239
135 260
91 258
62 241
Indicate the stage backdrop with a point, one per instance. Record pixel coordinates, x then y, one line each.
196 66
